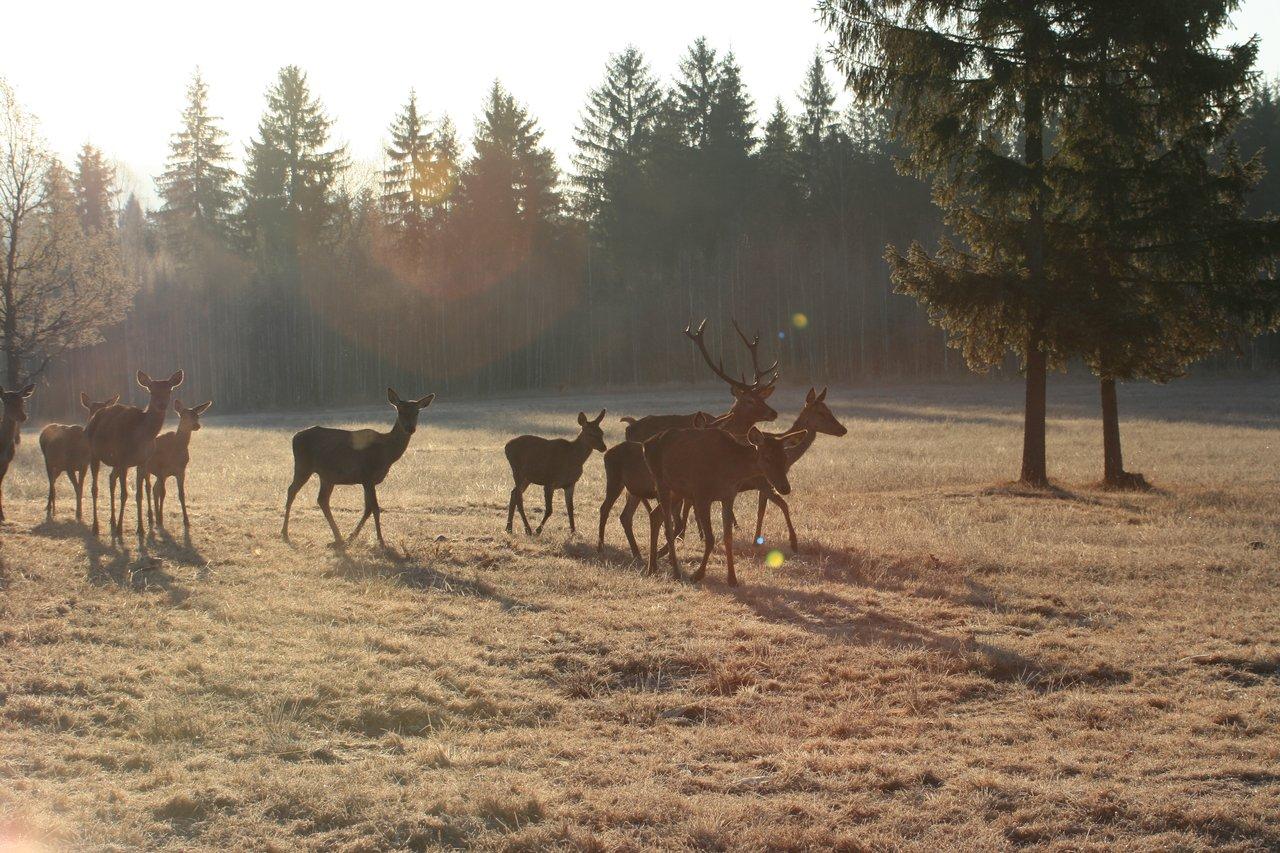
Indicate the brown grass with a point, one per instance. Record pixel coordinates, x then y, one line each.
950 663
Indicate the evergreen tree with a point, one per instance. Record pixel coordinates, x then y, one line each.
696 92
196 187
512 177
407 180
817 129
94 188
290 170
730 142
1258 135
778 167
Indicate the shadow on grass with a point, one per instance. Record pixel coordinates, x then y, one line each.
403 568
142 570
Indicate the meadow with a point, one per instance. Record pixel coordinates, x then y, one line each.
950 662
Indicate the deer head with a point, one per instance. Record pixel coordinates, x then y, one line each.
749 397
190 418
591 431
94 406
15 403
161 389
817 417
407 410
771 455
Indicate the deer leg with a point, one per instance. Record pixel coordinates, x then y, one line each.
300 478
655 518
77 483
377 518
152 489
760 511
568 505
664 504
322 501
726 511
93 466
159 492
122 477
627 517
547 491
138 479
786 513
368 511
53 477
182 499
702 512
611 492
111 489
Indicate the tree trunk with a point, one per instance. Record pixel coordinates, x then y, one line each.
1114 476
1034 465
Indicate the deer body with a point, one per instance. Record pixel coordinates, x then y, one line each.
342 457
66 451
170 458
553 463
701 467
15 415
123 437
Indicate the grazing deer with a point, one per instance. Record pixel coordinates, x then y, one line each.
749 403
343 457
122 437
169 459
702 466
553 463
66 451
15 415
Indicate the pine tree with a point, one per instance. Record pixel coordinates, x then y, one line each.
407 179
817 129
197 186
730 142
512 177
94 188
291 170
696 92
778 167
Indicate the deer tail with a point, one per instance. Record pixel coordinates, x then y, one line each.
627 420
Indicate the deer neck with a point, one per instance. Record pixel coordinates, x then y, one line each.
397 441
184 434
738 423
8 430
153 418
581 447
795 451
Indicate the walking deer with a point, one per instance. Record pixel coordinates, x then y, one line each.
702 466
66 451
169 459
749 403
122 437
553 463
343 457
15 415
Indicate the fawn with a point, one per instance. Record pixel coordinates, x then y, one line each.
169 459
343 457
66 451
15 415
553 463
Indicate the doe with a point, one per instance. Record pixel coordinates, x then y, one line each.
66 451
170 459
553 463
15 415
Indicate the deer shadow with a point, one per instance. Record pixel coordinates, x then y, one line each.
54 529
140 570
179 551
409 571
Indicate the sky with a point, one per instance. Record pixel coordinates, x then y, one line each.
121 69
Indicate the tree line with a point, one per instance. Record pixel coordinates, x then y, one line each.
1093 206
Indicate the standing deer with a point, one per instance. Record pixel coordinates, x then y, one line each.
749 403
170 459
553 463
66 451
702 466
343 457
15 415
122 437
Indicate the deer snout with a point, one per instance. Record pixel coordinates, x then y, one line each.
841 429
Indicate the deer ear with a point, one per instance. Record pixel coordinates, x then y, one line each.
176 379
582 418
426 401
203 407
144 380
754 436
392 397
791 439
823 395
766 393
811 397
84 399
700 420
113 400
599 417
27 392
177 405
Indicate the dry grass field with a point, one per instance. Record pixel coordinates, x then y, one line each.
951 662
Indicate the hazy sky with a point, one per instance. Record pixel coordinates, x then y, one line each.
119 70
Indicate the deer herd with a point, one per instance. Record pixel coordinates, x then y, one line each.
670 464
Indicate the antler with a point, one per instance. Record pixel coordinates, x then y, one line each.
753 347
717 368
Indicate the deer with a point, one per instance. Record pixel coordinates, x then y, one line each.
343 457
66 451
553 463
15 415
702 466
749 403
170 459
122 437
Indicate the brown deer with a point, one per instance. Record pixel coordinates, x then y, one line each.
749 403
170 459
553 463
122 437
343 457
702 466
66 451
15 415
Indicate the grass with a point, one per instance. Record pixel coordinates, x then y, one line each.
950 662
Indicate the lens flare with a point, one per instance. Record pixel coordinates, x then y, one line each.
759 540
799 320
774 560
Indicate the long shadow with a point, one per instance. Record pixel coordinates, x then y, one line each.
141 571
179 551
413 573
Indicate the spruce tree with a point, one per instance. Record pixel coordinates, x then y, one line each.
197 187
512 177
730 142
696 92
94 188
407 181
816 130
